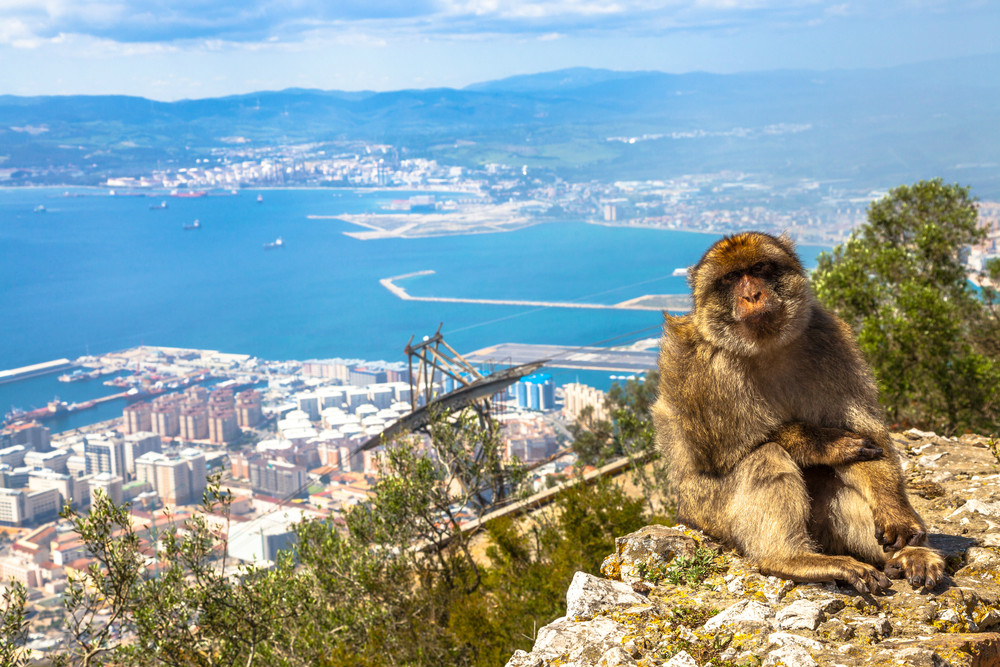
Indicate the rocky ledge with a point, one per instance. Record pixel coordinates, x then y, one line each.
671 596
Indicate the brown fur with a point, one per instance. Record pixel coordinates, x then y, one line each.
769 417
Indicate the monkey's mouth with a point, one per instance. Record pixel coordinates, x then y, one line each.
762 322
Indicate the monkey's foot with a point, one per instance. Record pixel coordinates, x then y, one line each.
819 567
922 567
896 528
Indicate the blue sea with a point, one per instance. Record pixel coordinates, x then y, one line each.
94 273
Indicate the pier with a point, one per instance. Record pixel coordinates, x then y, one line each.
25 372
654 302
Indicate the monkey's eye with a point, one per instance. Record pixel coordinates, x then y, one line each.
761 269
731 277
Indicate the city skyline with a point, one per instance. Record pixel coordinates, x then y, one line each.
196 50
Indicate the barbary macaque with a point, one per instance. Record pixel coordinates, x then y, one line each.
769 418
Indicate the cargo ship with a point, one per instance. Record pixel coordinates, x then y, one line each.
50 411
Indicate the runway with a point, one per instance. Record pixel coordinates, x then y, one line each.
566 356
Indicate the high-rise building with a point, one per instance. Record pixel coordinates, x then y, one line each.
137 444
536 392
13 455
221 398
105 454
42 479
309 403
31 435
12 507
193 422
196 394
362 376
54 459
165 419
578 396
248 410
222 427
109 485
178 479
278 478
19 507
137 417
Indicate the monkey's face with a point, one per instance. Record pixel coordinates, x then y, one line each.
750 293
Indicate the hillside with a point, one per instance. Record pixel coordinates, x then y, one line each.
865 126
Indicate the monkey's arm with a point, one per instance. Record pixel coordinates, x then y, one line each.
882 484
810 445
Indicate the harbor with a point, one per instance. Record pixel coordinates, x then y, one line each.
139 374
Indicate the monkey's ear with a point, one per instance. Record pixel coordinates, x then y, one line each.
786 242
692 276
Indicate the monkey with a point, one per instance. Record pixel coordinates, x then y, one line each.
769 417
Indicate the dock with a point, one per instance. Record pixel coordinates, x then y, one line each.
24 372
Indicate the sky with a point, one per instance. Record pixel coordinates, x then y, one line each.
177 49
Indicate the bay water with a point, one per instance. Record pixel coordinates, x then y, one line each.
93 273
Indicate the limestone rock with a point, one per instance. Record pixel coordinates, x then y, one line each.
781 639
746 614
740 615
589 595
577 642
616 656
800 615
791 655
647 550
524 659
682 659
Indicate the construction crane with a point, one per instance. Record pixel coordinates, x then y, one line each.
437 359
473 389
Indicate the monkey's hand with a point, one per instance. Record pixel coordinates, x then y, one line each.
922 567
897 527
850 448
810 445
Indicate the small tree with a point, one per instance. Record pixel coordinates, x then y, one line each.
901 283
13 626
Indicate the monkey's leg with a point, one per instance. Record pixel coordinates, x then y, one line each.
766 517
841 523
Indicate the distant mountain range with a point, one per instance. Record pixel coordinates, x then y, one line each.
874 127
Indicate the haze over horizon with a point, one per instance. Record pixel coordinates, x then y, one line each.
198 49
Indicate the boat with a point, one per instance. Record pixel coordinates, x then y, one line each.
157 207
39 209
260 199
188 194
54 408
194 225
76 376
276 243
